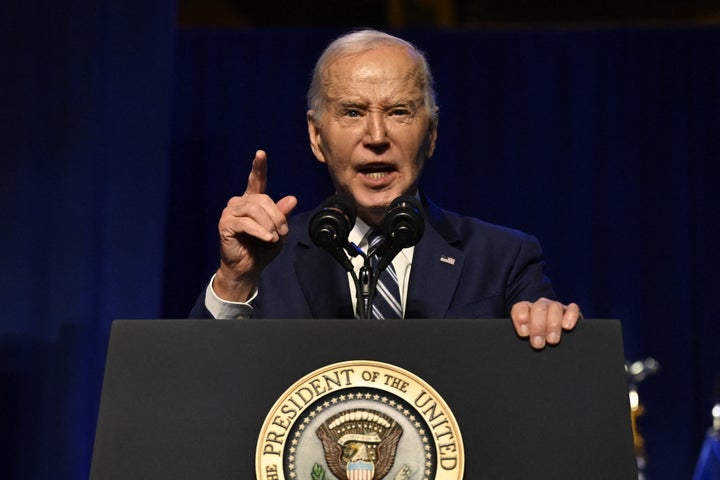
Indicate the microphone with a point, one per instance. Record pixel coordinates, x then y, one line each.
403 226
331 224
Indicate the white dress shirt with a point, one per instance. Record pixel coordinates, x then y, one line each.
401 263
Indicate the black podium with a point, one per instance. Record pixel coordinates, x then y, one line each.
186 399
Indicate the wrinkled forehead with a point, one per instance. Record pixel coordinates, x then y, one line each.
396 65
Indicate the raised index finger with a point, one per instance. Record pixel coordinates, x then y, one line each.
257 181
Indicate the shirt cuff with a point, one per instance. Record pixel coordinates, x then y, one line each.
225 309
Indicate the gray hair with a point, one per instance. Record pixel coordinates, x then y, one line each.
362 41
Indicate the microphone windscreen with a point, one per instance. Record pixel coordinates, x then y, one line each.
406 200
405 222
344 203
331 224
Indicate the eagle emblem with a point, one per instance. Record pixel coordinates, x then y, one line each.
360 444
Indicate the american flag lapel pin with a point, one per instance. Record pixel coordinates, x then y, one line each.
448 260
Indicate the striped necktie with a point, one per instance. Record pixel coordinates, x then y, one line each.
387 303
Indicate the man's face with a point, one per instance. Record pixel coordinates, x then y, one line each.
375 131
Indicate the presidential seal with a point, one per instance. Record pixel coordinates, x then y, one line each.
360 420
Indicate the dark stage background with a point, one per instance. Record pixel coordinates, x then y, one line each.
123 137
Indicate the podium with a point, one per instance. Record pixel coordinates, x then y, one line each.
187 399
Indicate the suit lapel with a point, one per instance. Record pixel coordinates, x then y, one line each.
323 282
436 268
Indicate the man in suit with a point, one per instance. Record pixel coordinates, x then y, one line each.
372 120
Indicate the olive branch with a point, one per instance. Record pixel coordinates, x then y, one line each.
318 473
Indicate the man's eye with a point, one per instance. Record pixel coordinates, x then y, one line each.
400 112
352 113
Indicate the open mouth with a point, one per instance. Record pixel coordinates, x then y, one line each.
377 175
377 172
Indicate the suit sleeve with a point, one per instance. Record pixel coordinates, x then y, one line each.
527 280
199 311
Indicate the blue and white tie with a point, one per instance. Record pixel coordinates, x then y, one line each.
387 303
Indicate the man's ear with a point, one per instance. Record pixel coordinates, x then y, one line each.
432 136
314 134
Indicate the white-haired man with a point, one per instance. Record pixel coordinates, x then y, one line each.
372 119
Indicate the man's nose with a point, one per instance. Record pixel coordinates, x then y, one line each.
376 129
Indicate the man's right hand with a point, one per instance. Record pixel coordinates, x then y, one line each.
251 229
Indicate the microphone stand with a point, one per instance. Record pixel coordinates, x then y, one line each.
369 279
365 281
363 288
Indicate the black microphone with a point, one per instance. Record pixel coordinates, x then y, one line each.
331 224
403 226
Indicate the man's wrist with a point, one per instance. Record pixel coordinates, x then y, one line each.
221 308
229 288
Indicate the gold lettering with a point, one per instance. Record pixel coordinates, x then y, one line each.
446 448
397 383
270 450
271 472
289 411
444 421
447 432
347 372
417 400
337 382
270 438
431 412
302 392
280 423
299 407
317 388
448 463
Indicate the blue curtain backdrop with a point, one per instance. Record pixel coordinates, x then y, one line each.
123 138
85 92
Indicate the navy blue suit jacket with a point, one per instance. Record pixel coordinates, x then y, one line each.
485 271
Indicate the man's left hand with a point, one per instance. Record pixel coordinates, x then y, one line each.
543 321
